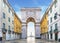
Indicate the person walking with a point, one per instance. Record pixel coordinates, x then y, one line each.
0 36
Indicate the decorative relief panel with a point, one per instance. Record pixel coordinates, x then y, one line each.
30 12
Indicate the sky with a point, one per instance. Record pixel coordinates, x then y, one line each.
18 4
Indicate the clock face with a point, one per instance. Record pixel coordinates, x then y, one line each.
30 13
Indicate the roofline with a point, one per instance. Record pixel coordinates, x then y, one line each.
17 17
47 10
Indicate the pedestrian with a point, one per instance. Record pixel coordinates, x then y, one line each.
0 35
0 39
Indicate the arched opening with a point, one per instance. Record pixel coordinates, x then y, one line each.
30 32
30 29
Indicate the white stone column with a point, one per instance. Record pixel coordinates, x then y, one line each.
24 32
12 36
37 31
8 36
53 36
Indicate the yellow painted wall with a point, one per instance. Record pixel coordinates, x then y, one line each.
44 24
17 24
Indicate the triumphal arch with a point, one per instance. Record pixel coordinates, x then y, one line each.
30 15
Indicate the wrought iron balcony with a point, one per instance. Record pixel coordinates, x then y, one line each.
56 30
12 31
55 17
51 31
4 30
9 31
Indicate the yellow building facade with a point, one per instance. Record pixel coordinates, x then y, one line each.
44 25
17 25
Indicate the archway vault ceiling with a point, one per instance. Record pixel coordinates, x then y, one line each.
30 19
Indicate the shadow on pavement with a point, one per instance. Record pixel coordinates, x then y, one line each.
13 42
2 41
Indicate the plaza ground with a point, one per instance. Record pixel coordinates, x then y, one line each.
30 40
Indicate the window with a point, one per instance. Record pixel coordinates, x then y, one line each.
51 27
9 27
48 36
3 25
3 4
51 19
4 15
9 10
51 35
55 17
12 14
8 19
55 3
56 26
9 30
12 22
51 10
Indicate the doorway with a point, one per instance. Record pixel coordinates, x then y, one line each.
56 36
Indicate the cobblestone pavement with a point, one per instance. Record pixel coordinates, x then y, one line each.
30 40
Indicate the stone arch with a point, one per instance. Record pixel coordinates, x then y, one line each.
30 19
28 16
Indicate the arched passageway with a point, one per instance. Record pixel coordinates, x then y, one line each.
30 29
